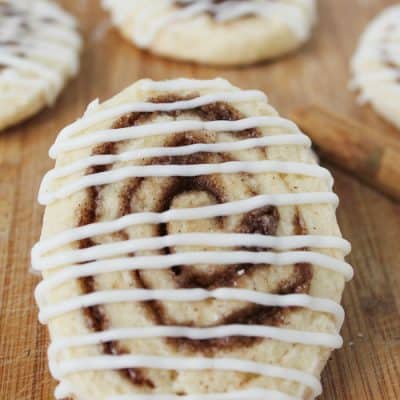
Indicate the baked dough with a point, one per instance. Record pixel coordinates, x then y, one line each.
376 65
220 32
189 250
39 52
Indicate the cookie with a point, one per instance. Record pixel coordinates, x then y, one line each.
189 250
376 65
220 32
39 48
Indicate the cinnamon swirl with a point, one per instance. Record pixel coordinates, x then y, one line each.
190 250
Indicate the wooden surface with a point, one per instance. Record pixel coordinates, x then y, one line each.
368 366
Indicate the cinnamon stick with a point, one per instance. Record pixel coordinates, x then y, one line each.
372 156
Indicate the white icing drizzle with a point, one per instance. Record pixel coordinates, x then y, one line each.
181 214
190 363
291 15
39 43
189 258
30 66
33 47
380 40
156 129
64 142
184 295
73 264
182 84
277 140
269 332
51 10
167 128
185 239
11 77
232 167
112 113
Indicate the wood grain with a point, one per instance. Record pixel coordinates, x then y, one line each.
368 366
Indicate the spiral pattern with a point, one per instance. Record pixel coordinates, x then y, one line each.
173 192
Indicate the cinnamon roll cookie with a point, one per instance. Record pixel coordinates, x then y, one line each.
39 48
221 32
189 250
376 64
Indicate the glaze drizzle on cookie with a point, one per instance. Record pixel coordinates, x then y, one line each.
222 11
379 52
33 36
250 245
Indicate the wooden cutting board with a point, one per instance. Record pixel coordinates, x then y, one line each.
368 366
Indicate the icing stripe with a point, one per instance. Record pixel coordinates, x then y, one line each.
66 36
188 258
267 332
193 258
115 112
13 79
173 127
232 167
96 363
49 52
181 84
184 295
30 66
190 239
291 14
85 163
51 10
180 214
144 38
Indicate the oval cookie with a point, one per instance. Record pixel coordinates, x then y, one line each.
189 250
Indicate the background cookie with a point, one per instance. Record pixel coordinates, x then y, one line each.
376 64
215 32
189 246
39 49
